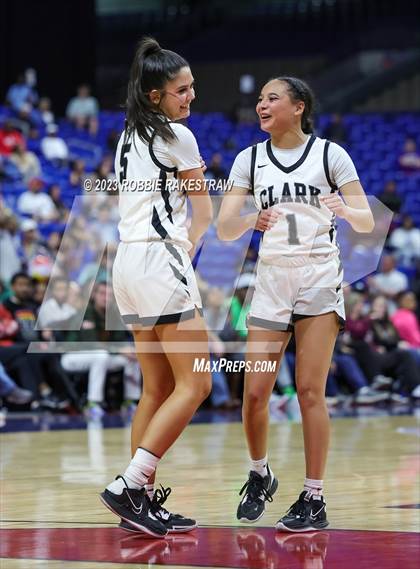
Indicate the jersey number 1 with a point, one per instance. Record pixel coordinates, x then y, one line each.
124 161
293 236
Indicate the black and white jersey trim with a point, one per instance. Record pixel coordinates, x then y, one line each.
288 169
326 167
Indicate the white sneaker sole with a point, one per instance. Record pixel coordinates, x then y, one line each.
281 527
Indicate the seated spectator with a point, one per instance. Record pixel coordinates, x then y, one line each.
53 147
10 138
344 368
215 316
405 241
31 245
37 203
387 341
21 94
105 171
83 109
409 160
43 115
104 226
11 392
54 191
336 130
18 318
215 169
405 319
389 281
390 197
375 347
26 162
10 262
56 311
98 362
77 173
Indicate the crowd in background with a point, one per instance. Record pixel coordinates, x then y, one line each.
55 282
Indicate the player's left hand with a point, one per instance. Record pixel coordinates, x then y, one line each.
335 204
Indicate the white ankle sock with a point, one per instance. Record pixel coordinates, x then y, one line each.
260 466
141 467
150 489
313 487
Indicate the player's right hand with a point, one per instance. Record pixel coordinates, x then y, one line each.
267 218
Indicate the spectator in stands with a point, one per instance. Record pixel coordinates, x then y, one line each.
100 361
389 281
83 110
77 173
104 226
409 160
21 94
31 246
43 115
11 392
36 203
345 368
53 147
215 317
54 191
40 288
390 197
56 311
405 241
396 355
215 169
10 262
105 172
10 138
336 130
20 313
26 162
405 320
53 243
375 346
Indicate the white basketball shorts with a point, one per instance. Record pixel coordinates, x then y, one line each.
297 288
154 283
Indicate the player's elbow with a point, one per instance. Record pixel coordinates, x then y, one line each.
369 226
222 231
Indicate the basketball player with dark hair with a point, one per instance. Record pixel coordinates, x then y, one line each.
153 279
296 180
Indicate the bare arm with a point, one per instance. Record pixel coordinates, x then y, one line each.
355 208
231 224
202 209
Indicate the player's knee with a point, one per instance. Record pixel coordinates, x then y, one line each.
156 396
204 389
255 400
309 396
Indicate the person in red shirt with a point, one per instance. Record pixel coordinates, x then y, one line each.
9 139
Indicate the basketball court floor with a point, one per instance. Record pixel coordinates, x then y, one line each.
54 468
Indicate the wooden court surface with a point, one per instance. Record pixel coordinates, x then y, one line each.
51 480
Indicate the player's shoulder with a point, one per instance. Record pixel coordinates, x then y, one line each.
334 149
181 131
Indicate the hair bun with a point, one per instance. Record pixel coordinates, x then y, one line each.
150 46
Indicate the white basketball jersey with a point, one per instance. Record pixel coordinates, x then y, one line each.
306 226
150 204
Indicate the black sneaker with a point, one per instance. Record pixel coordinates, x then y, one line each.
258 490
306 514
174 523
134 507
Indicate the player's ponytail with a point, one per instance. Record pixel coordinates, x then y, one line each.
300 91
152 67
